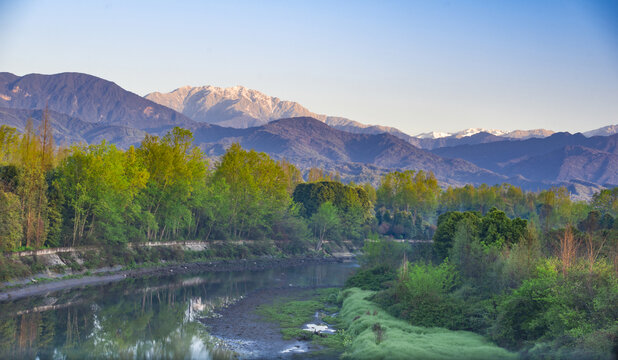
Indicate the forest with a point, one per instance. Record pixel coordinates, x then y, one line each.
535 272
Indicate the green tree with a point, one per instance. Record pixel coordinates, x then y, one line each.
32 188
412 191
497 229
606 201
9 142
447 227
100 183
257 191
10 221
325 222
175 169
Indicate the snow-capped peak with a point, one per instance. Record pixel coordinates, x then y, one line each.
474 131
459 134
432 135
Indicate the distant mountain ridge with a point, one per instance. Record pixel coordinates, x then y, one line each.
85 108
308 142
88 98
241 107
562 158
515 134
604 131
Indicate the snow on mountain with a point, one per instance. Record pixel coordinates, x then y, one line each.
459 134
604 131
236 106
515 134
432 135
241 107
529 134
474 131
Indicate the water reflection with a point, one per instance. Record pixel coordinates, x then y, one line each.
144 318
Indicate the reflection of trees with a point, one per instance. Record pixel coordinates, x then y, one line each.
152 323
22 335
140 318
154 326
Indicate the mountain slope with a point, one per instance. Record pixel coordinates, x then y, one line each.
84 108
569 163
561 157
309 142
69 130
88 98
240 107
515 134
604 131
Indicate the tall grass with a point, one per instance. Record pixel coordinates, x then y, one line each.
378 335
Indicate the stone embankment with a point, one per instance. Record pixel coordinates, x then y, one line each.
56 264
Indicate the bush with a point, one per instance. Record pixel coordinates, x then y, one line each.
561 311
375 278
92 259
10 269
422 296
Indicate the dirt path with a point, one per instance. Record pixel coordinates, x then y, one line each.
58 285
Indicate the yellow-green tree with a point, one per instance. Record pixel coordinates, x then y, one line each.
257 190
99 183
177 169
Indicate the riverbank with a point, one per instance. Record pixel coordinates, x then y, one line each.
375 334
58 284
159 316
20 268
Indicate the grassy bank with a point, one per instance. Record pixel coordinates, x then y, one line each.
375 334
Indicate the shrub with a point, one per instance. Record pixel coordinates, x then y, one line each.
375 278
560 311
10 269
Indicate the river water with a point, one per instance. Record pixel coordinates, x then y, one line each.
157 317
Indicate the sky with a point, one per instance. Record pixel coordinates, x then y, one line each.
415 65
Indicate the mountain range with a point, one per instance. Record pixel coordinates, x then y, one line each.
87 109
241 107
515 134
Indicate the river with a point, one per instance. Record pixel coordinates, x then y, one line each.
159 317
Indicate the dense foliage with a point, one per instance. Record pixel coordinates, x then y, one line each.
163 190
550 294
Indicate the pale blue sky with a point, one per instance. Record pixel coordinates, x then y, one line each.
416 65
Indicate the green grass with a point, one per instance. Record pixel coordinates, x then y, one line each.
377 335
291 315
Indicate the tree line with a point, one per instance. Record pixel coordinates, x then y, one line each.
164 189
167 189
